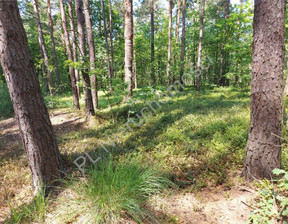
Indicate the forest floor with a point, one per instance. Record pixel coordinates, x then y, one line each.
198 138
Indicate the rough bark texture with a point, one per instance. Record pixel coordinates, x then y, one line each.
200 46
91 48
169 42
152 42
264 142
70 57
33 119
111 38
89 109
53 45
183 40
43 47
128 36
107 46
74 44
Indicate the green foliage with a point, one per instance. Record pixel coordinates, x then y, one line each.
113 190
272 204
33 212
6 107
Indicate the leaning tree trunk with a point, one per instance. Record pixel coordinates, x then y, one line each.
89 109
128 36
53 46
33 119
74 44
200 46
107 47
183 41
91 48
153 78
263 149
111 38
42 46
169 42
70 57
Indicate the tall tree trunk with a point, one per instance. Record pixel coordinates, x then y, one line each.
53 46
46 84
169 42
70 57
111 38
33 119
217 76
263 149
183 41
224 52
74 44
153 78
135 86
128 36
89 108
43 47
238 39
200 46
177 36
107 46
91 48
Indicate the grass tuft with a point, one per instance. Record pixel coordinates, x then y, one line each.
113 191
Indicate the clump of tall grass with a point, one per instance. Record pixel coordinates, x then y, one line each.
113 191
33 212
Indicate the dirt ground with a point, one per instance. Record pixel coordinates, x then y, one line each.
213 205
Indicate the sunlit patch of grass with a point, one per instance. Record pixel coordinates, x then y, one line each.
112 191
30 213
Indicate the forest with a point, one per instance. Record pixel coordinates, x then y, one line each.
145 111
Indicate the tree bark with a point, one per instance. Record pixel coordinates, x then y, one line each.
70 57
263 149
169 42
224 52
177 37
107 46
31 113
200 46
43 47
111 38
128 36
183 41
89 109
74 44
91 48
152 42
53 46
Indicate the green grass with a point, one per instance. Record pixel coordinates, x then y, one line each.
113 191
6 107
33 212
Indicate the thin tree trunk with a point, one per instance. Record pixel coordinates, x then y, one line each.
263 151
46 84
216 71
91 48
31 113
177 37
111 38
70 57
43 47
74 44
183 41
152 42
128 36
169 42
224 53
135 86
53 46
200 46
89 108
107 46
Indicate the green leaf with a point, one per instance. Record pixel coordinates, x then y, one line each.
278 171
